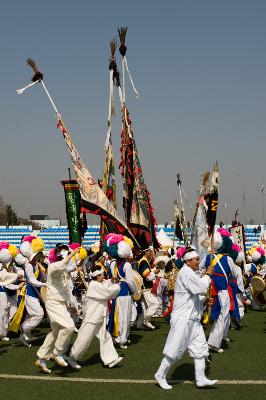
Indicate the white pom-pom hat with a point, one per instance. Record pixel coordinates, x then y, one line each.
124 250
217 241
7 252
21 260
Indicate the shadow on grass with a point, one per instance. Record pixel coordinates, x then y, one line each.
135 338
183 372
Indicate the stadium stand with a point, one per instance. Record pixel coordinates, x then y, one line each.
51 236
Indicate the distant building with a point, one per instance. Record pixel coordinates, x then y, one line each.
44 221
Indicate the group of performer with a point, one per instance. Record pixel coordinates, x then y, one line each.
105 294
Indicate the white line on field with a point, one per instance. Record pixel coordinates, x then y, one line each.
130 381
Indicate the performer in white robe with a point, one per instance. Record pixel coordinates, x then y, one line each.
57 303
95 320
224 270
150 303
241 301
8 290
32 248
186 331
121 311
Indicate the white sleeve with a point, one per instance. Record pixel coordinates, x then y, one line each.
57 266
71 266
112 268
195 284
240 282
7 277
101 291
151 276
233 267
31 277
130 278
12 286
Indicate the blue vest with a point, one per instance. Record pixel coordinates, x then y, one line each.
33 291
124 288
219 280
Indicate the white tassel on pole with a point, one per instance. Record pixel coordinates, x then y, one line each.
130 77
111 89
123 80
20 91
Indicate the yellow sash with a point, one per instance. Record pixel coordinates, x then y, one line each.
116 321
16 320
216 259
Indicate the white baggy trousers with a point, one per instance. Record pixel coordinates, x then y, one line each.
150 304
221 325
34 315
62 325
86 333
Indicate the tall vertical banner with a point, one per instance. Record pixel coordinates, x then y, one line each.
73 204
238 234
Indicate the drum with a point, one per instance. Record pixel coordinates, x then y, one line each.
139 282
258 283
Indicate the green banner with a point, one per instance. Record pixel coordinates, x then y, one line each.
73 203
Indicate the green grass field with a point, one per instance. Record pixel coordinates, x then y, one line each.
243 360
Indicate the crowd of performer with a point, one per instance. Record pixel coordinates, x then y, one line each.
106 294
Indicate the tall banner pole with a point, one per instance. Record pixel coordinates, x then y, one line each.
183 217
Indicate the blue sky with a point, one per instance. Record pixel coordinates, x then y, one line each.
200 67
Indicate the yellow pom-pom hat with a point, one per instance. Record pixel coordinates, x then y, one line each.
30 246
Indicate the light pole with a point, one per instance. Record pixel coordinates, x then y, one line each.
225 210
263 214
244 205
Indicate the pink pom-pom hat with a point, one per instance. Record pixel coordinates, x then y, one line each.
224 232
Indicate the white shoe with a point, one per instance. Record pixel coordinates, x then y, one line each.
5 339
41 364
162 382
226 339
216 349
206 382
148 325
72 362
76 330
122 346
24 341
116 361
59 360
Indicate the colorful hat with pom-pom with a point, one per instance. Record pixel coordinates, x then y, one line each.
30 246
237 254
7 252
82 254
217 241
257 255
180 252
117 245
